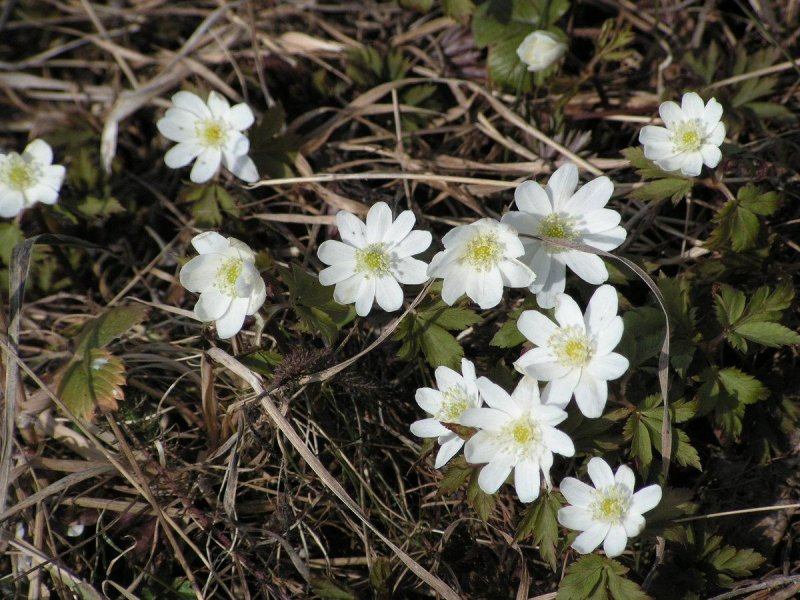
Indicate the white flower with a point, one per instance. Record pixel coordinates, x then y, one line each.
28 178
517 433
610 512
558 211
225 276
691 138
209 133
479 259
540 49
374 259
456 394
575 355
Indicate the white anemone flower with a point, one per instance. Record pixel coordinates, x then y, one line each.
372 260
518 433
558 211
28 178
208 133
608 513
691 138
479 259
226 277
540 49
575 356
456 393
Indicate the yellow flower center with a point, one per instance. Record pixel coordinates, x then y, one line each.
523 434
688 136
374 260
483 251
612 504
228 274
19 174
454 402
560 227
571 346
212 133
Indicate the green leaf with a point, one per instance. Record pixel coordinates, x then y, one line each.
756 200
731 563
768 334
92 380
447 317
459 10
261 361
481 502
102 330
737 221
379 576
541 523
600 578
440 347
726 393
508 336
423 6
95 207
329 590
746 388
10 236
426 330
505 67
771 110
675 188
455 474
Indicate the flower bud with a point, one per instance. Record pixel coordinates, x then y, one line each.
540 49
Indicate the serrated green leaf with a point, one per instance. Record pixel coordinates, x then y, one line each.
314 304
771 110
261 361
93 206
746 388
675 188
102 330
448 317
593 576
329 590
541 523
92 380
736 563
756 200
766 333
505 67
440 347
481 502
729 305
455 475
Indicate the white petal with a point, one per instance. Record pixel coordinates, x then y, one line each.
257 297
337 273
218 105
192 103
41 193
600 220
692 164
212 305
208 242
607 240
11 202
558 441
600 473
447 378
660 151
608 367
568 313
347 290
527 481
388 293
531 198
199 273
575 517
588 267
493 475
646 499
236 145
540 263
526 395
671 114
243 167
562 184
428 428
485 288
410 271
625 476
400 228
693 106
672 163
454 285
711 155
601 310
365 297
448 450
414 243
577 493
40 151
543 371
591 538
608 338
652 134
515 274
181 155
206 166
231 322
536 327
592 196
523 223
178 125
559 391
591 395
379 219
717 135
241 116
712 113
615 541
497 397
480 448
333 252
429 400
633 524
351 229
